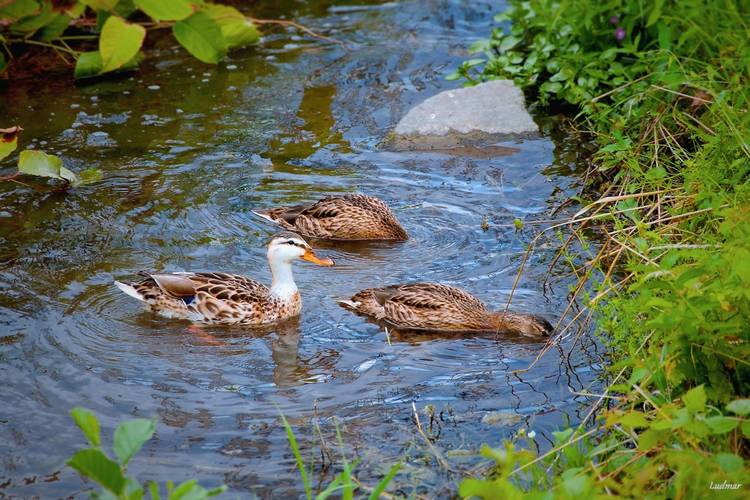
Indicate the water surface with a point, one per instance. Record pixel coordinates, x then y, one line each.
187 151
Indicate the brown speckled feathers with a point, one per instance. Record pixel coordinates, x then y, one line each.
344 217
217 298
438 307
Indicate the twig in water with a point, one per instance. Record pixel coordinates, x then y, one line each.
299 26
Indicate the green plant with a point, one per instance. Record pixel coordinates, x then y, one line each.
94 464
660 91
120 27
344 482
41 164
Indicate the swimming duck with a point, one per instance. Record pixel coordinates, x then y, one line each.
341 217
229 299
440 308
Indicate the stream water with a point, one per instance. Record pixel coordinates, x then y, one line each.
187 151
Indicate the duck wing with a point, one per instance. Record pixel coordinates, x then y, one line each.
422 306
344 217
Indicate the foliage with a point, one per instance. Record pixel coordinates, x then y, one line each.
120 27
662 90
41 164
344 483
94 464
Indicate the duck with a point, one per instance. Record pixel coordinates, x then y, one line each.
216 298
352 216
437 307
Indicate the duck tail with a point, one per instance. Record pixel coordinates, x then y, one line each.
264 214
129 290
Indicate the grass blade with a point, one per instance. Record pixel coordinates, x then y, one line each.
383 484
298 457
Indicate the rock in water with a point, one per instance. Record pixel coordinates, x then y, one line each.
483 114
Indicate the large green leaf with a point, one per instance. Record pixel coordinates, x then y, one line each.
235 27
130 437
165 10
120 41
18 9
202 37
695 399
88 424
95 465
40 164
8 140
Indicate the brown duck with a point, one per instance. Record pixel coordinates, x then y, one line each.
440 308
230 299
343 217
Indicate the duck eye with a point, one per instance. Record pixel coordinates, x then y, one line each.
289 242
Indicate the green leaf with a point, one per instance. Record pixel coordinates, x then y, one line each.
107 5
30 24
739 407
88 64
202 37
19 9
55 28
130 437
88 423
381 486
191 490
2 61
633 419
655 12
9 140
235 27
95 465
729 462
721 425
695 399
119 42
161 10
41 164
153 489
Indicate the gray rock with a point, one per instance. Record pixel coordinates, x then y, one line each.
483 114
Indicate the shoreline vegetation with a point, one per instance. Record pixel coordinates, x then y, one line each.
660 91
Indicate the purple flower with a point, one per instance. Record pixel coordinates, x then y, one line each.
619 34
614 20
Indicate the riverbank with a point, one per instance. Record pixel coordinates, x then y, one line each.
660 91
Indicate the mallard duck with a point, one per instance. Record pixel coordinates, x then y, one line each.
344 217
229 299
440 308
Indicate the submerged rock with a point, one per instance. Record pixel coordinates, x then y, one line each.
483 114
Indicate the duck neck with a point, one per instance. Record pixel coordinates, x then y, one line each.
283 285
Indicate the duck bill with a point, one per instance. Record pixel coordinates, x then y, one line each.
310 256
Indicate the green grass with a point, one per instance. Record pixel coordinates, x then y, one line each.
344 484
662 90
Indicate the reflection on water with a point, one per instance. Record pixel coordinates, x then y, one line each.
184 166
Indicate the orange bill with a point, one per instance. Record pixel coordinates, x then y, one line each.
311 257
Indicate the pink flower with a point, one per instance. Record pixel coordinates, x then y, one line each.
619 34
614 20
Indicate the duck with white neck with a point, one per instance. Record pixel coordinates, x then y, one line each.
230 299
